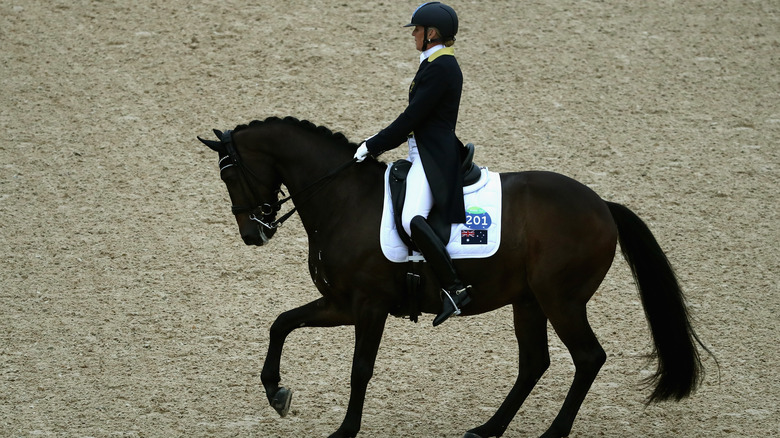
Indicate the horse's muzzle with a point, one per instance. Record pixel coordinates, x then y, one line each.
258 236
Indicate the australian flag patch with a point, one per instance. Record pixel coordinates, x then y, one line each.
474 237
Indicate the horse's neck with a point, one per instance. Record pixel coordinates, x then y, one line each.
318 175
304 159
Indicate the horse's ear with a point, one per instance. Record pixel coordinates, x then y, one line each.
216 146
218 133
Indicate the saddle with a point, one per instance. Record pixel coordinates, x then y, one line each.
397 183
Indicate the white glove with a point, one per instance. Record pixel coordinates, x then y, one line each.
362 153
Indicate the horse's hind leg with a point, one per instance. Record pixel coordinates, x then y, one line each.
319 313
531 332
571 325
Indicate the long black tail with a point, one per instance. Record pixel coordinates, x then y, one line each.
680 370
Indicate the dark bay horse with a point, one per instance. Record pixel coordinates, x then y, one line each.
558 242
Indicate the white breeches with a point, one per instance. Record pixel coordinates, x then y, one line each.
419 198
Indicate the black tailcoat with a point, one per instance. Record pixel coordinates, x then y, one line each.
434 98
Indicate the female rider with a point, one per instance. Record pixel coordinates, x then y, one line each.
428 126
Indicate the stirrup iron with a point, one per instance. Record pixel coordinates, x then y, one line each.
449 297
457 293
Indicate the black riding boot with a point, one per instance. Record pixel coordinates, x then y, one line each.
454 294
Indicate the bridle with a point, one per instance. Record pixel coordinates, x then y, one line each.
264 213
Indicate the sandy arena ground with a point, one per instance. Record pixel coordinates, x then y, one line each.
130 306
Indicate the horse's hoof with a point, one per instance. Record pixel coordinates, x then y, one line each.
471 435
281 401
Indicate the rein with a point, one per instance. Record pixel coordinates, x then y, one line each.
314 187
267 209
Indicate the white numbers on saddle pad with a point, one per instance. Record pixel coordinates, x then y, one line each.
477 219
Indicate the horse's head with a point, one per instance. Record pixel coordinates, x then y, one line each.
253 186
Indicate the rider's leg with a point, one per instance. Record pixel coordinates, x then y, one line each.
418 203
418 200
454 293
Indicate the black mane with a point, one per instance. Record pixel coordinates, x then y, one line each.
322 131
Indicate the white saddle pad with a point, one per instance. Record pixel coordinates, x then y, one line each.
479 237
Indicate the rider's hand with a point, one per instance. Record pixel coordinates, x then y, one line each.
362 153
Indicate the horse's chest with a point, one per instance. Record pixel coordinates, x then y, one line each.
318 272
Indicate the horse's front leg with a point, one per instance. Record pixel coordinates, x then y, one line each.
319 313
369 326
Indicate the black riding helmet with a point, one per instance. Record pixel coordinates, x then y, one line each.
438 15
